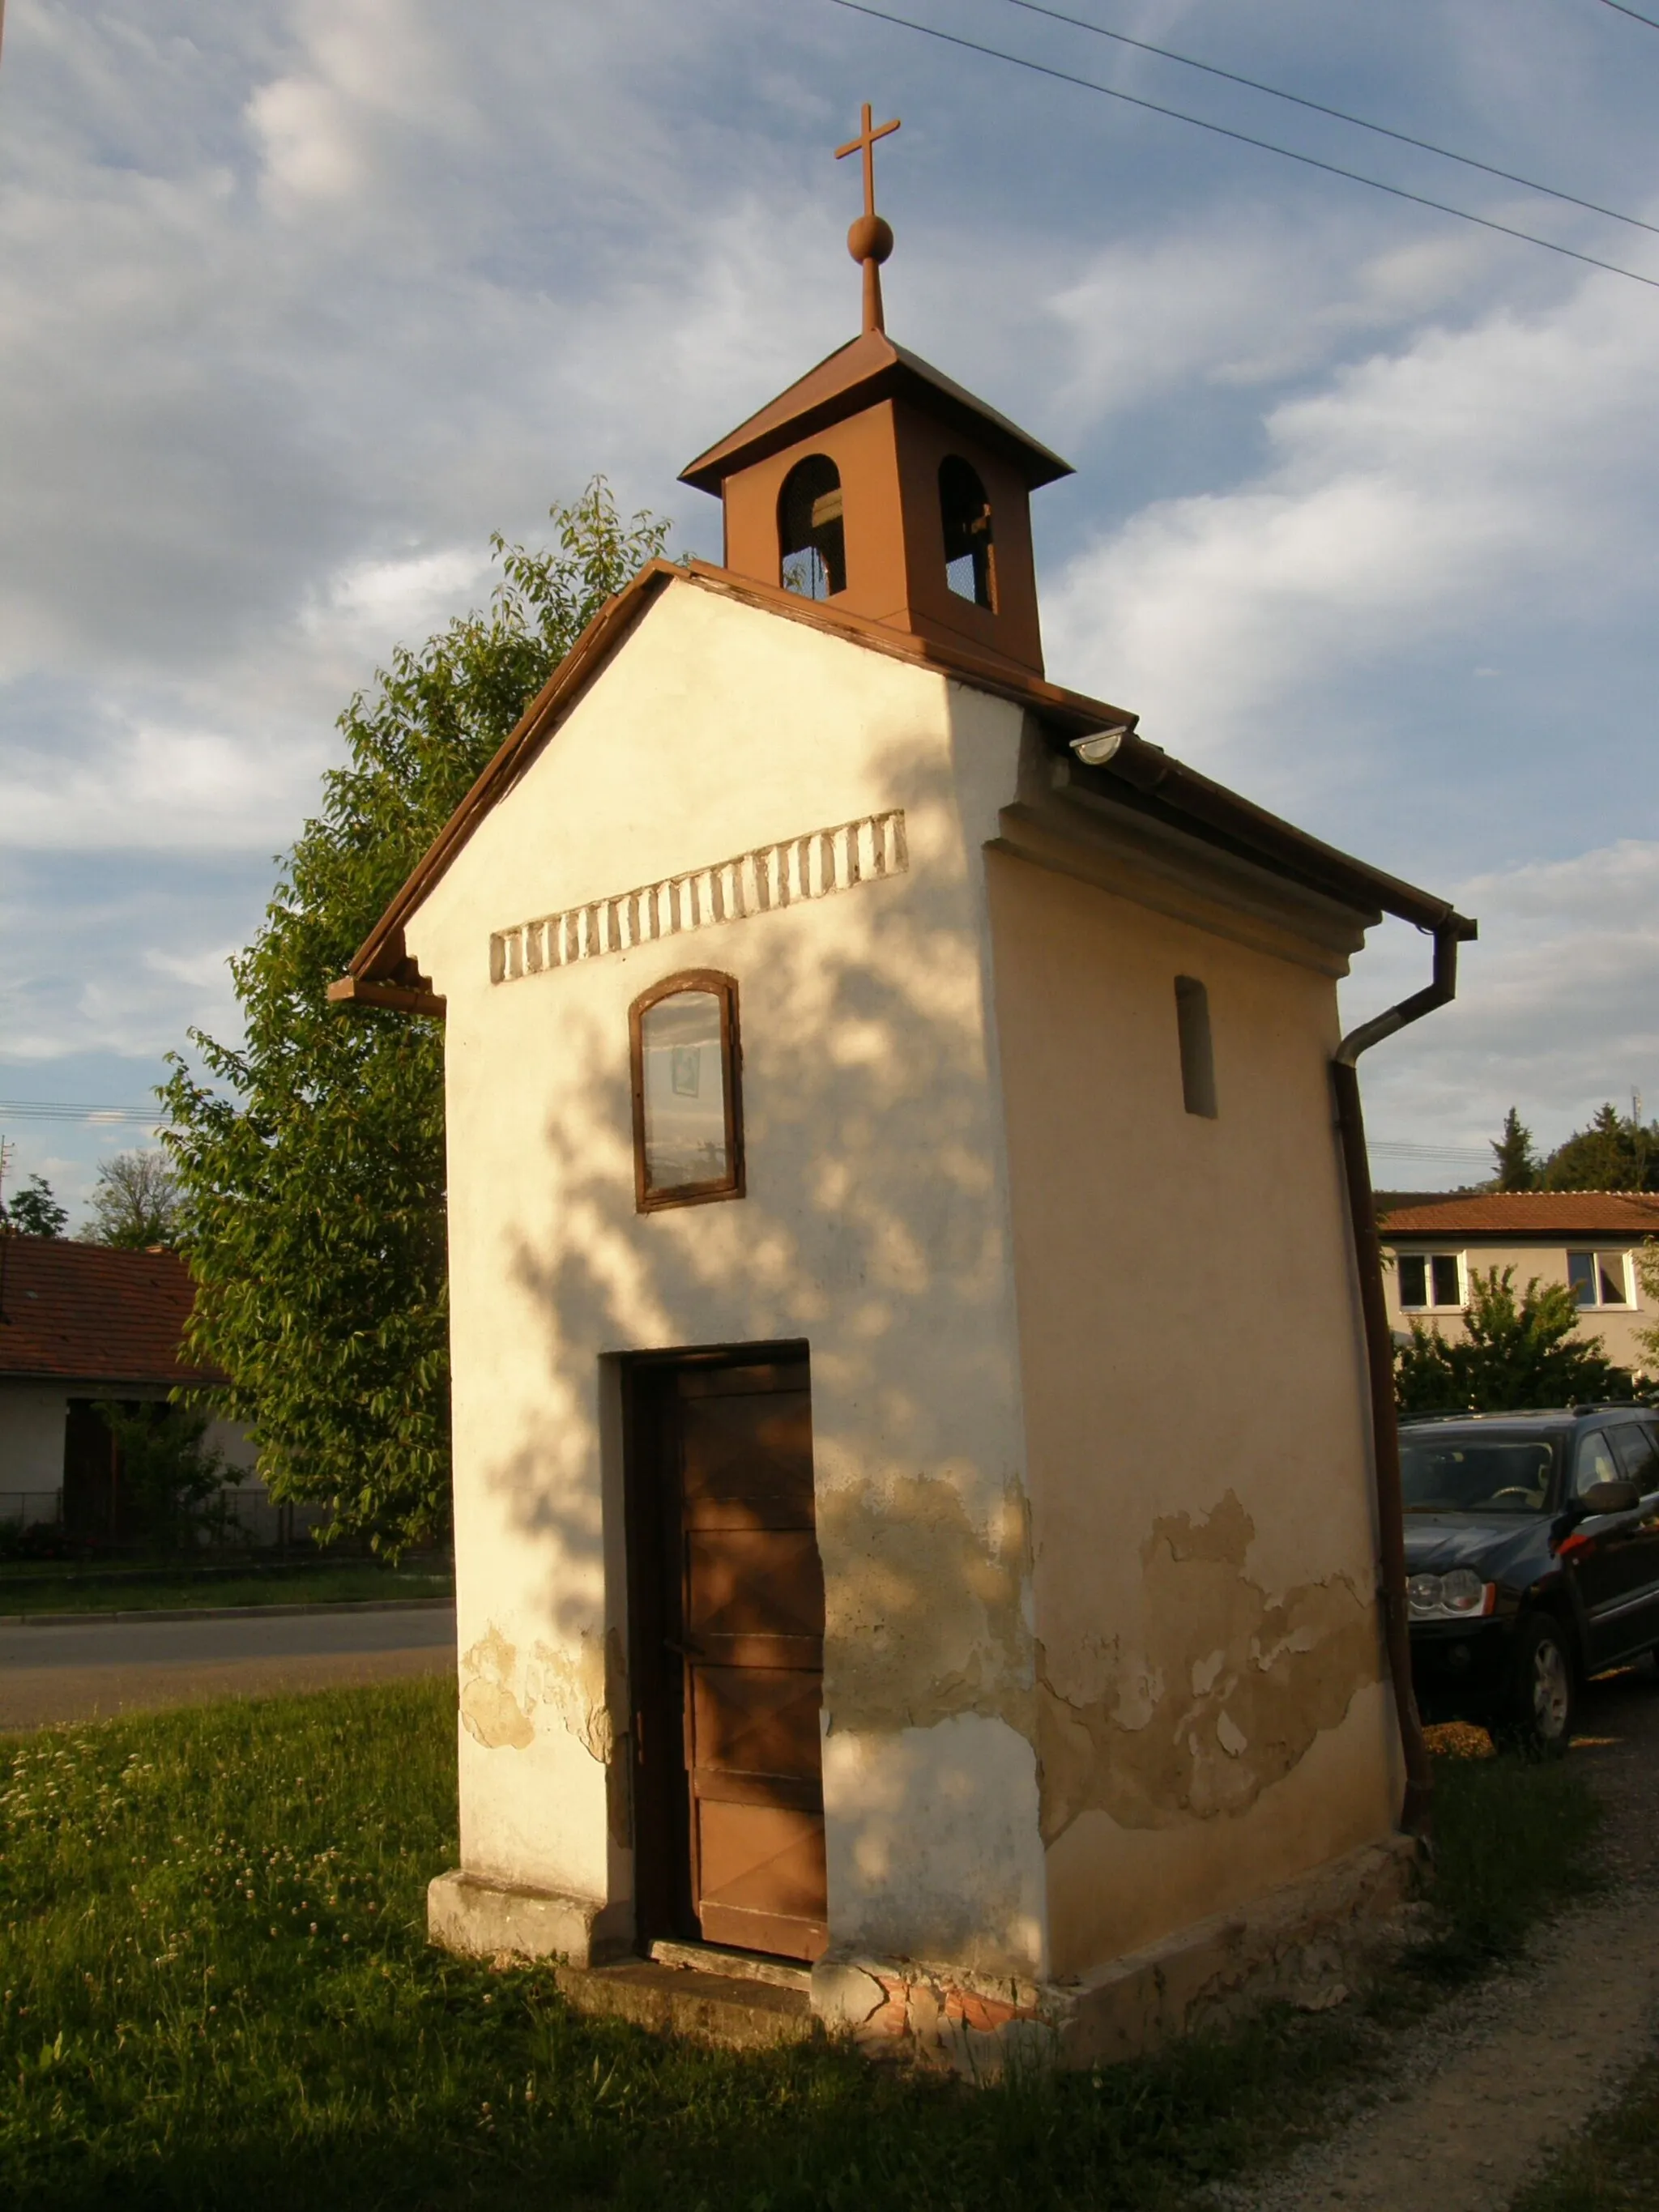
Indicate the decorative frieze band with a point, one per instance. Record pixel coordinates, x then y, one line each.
772 876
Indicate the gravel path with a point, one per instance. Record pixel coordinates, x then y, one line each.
1460 2113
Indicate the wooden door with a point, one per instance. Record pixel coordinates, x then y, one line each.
738 1619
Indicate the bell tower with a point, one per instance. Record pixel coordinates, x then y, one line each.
880 487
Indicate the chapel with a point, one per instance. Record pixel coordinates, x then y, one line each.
921 1486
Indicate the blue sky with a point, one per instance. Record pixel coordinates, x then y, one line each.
300 299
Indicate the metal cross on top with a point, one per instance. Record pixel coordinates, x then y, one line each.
870 241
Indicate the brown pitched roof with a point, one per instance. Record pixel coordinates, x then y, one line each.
1139 772
855 376
1530 1213
83 1313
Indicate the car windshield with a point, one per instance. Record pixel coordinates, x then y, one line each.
1475 1474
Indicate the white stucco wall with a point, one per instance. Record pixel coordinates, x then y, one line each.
32 1417
1213 1718
875 1227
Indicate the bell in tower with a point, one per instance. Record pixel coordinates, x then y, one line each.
876 485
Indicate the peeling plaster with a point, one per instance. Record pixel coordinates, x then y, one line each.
1171 1737
489 1711
572 1685
927 1612
500 1700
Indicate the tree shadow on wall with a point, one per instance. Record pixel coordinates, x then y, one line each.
874 1229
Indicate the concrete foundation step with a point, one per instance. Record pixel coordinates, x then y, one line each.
734 2010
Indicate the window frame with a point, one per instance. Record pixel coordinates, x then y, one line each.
1598 1255
1431 1304
732 1184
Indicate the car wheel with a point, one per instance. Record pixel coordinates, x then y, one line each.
1543 1693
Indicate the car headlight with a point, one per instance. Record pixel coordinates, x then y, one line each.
1459 1596
1463 1591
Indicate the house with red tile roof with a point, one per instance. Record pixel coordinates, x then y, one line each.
1584 1238
80 1323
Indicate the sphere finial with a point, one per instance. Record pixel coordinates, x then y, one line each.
870 241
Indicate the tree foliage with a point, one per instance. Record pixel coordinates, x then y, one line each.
310 1158
173 1478
1617 1151
135 1203
1516 1160
34 1212
1511 1356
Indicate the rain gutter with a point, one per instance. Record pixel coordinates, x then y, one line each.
1448 931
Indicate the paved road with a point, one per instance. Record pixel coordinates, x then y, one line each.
89 1670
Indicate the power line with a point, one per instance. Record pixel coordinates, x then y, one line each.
60 1109
1318 107
1402 1148
1242 138
1631 13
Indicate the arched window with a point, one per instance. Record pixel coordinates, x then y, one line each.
688 1101
811 539
970 564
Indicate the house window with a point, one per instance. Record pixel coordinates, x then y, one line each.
1197 1057
1599 1278
811 539
688 1102
965 511
1430 1280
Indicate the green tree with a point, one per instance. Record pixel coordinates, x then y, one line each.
1518 1162
310 1158
135 1203
1617 1151
1510 1356
34 1212
173 1478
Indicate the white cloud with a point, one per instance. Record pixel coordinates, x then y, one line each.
1556 1008
1463 478
1236 301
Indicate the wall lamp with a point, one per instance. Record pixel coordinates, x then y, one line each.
1095 751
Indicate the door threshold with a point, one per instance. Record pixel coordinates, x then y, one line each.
735 1965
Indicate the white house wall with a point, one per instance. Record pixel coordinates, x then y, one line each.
32 1418
1620 1327
875 1227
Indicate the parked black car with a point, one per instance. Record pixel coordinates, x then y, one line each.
1532 1559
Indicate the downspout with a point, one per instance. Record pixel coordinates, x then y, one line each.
1449 933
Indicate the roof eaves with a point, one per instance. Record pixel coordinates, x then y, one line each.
380 959
1164 785
872 369
1140 772
376 973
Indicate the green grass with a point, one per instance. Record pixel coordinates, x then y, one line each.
85 1590
1511 1840
214 1991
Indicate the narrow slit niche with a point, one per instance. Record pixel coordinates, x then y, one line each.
1197 1051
